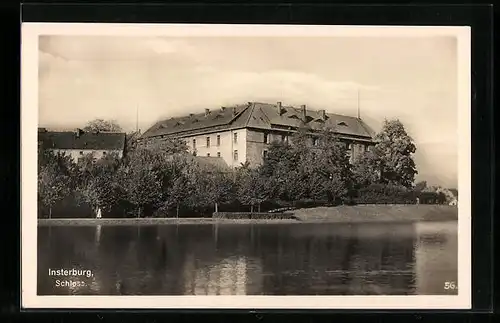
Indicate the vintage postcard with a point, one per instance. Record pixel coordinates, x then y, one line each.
245 166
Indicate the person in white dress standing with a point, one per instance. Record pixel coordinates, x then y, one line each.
99 213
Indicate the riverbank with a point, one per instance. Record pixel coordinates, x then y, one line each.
338 214
152 221
379 213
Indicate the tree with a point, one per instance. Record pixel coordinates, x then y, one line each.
331 163
277 168
366 169
96 184
395 149
54 178
420 186
138 181
251 188
168 146
214 188
102 125
178 192
175 183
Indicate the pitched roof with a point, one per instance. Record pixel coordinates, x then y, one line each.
212 163
85 140
258 115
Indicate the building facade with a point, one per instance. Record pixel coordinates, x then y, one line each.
79 143
243 133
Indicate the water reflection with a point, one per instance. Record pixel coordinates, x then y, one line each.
240 259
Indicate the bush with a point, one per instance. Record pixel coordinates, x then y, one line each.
385 194
253 216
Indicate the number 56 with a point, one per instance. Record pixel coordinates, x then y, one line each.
450 285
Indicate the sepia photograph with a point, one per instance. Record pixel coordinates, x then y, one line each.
219 166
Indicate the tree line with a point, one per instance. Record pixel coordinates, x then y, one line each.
161 178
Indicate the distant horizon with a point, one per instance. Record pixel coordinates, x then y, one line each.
82 78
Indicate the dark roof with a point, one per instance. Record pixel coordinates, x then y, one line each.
85 140
207 163
211 163
257 115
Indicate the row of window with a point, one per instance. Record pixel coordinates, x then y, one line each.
235 140
235 155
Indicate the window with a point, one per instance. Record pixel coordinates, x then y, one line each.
208 141
194 143
315 141
218 140
218 154
266 138
284 138
235 136
264 153
349 146
104 153
208 154
81 152
235 155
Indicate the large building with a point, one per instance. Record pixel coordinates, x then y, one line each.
79 143
243 133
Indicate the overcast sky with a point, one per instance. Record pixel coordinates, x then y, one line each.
413 79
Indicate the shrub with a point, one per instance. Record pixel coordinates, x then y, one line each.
385 194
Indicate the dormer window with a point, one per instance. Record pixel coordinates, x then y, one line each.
342 123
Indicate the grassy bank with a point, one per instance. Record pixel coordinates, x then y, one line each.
379 213
338 214
152 221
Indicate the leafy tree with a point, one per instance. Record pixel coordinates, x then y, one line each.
331 162
138 181
102 125
97 185
366 169
395 149
214 188
54 178
252 188
420 186
277 167
175 183
166 146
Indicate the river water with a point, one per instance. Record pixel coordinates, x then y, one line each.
249 259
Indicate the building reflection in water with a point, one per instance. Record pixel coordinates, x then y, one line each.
240 259
436 253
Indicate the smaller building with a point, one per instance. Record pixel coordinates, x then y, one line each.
79 143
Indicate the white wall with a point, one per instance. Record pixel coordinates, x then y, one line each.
226 148
78 153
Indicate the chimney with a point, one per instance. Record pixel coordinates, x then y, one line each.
191 115
234 111
78 132
279 107
304 114
207 112
223 109
322 115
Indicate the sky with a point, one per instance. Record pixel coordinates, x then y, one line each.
119 78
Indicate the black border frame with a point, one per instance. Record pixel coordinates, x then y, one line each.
479 17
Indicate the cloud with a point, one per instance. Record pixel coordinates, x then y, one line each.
85 48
